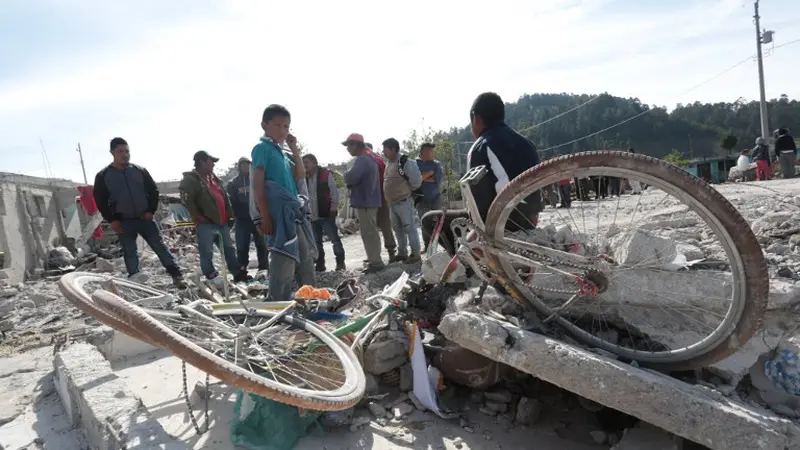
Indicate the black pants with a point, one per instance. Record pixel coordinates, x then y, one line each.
566 195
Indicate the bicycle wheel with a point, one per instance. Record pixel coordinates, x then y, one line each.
77 287
293 361
617 281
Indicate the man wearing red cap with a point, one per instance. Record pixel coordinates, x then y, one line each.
365 197
384 215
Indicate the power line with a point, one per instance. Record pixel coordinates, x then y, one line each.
559 115
749 58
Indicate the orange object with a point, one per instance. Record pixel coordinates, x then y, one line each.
308 292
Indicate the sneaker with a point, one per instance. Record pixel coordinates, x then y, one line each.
340 266
373 268
413 259
177 280
398 258
242 277
138 277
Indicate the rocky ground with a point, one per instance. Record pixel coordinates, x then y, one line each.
33 313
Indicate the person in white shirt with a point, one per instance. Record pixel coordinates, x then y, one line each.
743 164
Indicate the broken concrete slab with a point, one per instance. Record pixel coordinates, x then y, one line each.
22 378
693 412
96 399
647 437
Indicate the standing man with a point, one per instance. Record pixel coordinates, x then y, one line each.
384 217
786 151
276 207
323 198
127 198
636 187
365 196
506 154
432 174
239 195
401 179
211 211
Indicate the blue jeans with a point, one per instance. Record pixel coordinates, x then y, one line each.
148 230
285 272
328 227
208 234
244 230
405 227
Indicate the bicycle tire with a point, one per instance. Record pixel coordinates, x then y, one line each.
71 286
752 301
164 337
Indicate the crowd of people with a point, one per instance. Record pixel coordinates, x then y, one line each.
285 203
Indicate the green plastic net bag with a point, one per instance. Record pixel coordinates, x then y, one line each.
263 424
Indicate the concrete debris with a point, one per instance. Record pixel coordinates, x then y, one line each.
528 411
648 437
434 267
387 351
402 409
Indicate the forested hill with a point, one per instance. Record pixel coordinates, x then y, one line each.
696 130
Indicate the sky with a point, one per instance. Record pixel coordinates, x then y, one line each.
179 76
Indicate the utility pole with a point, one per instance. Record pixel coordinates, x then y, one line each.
83 168
762 91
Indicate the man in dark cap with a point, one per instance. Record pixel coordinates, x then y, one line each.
239 194
211 211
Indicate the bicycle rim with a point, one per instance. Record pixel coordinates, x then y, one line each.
748 271
272 376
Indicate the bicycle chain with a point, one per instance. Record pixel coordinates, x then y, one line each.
467 223
189 404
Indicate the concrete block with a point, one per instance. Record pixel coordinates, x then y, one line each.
115 345
111 416
692 412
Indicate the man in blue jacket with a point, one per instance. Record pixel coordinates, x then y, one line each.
365 197
506 154
127 197
245 229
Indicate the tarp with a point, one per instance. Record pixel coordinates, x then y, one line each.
88 205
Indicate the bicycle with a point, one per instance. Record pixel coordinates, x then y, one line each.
570 283
279 354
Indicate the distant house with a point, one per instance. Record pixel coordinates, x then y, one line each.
713 169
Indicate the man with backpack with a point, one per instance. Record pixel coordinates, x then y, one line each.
401 179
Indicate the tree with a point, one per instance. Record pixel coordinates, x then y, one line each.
715 128
728 142
675 157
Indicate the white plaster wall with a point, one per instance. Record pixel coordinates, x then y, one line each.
23 250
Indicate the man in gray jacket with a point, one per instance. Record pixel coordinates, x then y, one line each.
400 180
365 197
127 197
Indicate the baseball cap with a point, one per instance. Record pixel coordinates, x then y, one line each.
203 155
244 159
354 137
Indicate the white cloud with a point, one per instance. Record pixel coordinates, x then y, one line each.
372 68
